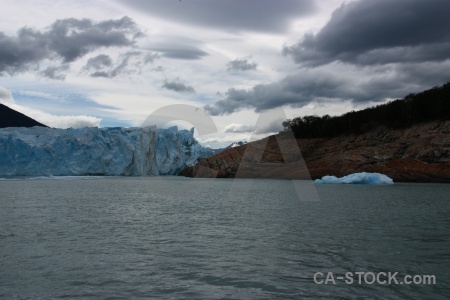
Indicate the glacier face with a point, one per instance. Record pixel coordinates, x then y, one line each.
40 151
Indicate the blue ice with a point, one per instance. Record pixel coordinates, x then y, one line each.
356 178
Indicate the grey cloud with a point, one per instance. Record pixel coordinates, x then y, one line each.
5 95
98 62
238 128
130 62
270 127
123 64
296 90
181 52
177 86
73 38
317 85
100 74
427 73
150 57
241 64
56 73
379 32
67 40
177 47
18 54
231 15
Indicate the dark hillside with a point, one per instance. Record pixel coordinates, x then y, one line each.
429 105
11 118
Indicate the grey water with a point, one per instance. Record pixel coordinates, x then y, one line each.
181 238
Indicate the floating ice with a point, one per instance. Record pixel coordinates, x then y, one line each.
40 151
356 178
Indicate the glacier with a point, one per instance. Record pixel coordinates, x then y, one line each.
356 178
93 151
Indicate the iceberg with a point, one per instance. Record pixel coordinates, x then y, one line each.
116 151
356 178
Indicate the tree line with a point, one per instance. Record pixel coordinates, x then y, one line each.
429 105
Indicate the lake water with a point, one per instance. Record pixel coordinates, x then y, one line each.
184 238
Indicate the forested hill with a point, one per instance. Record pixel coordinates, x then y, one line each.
429 105
11 118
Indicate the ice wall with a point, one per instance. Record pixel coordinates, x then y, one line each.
42 151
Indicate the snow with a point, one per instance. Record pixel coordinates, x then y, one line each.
356 178
40 151
236 144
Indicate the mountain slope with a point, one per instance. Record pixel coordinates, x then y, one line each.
11 118
426 106
408 140
420 153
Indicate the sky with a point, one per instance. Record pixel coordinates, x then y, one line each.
116 62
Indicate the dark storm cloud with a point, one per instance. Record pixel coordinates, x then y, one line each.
430 73
296 90
18 54
73 38
232 15
379 32
241 64
317 85
67 40
177 85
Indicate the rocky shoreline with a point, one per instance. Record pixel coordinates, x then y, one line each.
416 154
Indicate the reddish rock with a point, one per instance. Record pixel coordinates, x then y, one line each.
416 154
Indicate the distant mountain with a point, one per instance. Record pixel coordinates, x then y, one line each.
232 145
236 144
11 118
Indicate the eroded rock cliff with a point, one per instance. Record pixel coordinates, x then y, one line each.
416 154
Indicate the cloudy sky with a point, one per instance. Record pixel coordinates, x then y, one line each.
115 62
